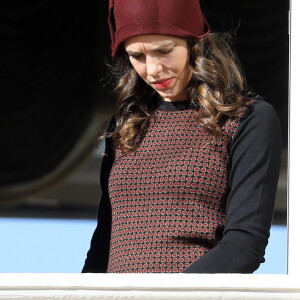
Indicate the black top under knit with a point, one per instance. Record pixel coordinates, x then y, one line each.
183 203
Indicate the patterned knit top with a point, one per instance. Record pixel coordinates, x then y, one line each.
175 198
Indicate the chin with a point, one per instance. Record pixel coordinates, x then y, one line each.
168 96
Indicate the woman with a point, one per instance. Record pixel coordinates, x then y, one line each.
191 167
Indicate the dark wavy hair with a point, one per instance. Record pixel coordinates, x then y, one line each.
215 91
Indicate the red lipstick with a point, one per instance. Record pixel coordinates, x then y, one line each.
163 83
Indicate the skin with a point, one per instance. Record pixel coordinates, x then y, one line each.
162 62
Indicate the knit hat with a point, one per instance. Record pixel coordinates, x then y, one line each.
180 18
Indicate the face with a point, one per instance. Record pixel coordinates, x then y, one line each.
162 62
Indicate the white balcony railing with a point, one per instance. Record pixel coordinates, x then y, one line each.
148 286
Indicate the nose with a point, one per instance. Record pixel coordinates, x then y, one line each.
154 66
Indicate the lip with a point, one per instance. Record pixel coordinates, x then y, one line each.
162 83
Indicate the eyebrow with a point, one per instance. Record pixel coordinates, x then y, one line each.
161 47
156 48
133 53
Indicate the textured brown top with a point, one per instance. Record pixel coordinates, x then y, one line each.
168 198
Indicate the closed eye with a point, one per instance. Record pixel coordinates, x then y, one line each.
141 56
136 56
164 51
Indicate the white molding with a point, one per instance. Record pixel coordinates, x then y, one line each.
148 286
294 145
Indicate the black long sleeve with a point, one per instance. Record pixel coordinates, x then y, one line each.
255 159
97 256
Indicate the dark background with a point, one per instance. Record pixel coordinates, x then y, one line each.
54 96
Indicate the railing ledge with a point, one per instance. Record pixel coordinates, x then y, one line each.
148 286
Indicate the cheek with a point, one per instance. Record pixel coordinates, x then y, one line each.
180 65
188 73
187 68
185 73
139 68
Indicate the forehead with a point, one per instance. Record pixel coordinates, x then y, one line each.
150 41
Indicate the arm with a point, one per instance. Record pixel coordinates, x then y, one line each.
255 160
97 256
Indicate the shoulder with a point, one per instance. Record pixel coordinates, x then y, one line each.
259 122
259 109
254 115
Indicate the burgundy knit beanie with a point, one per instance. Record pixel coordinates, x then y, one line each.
180 18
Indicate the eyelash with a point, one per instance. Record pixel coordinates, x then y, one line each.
163 52
135 56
